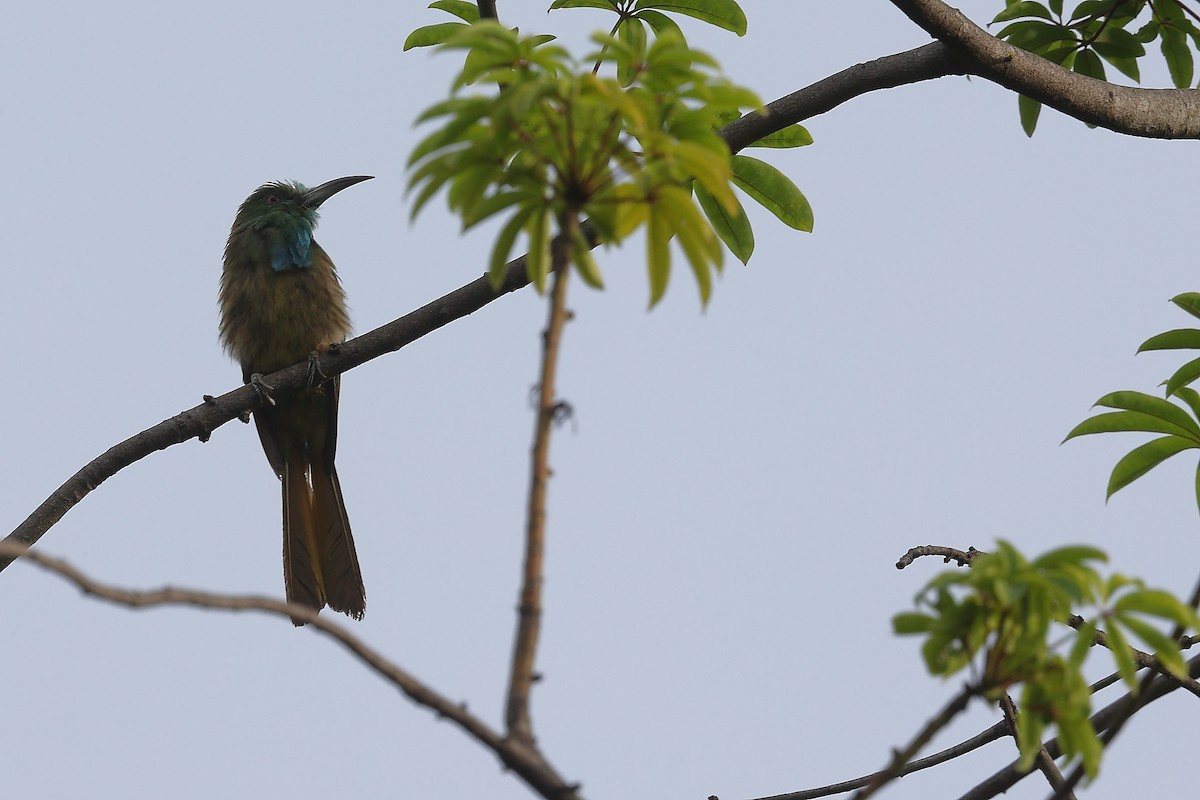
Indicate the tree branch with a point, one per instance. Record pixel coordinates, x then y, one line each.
901 757
1044 762
921 64
522 676
1153 113
1003 780
523 759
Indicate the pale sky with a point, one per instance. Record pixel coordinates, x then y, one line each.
725 518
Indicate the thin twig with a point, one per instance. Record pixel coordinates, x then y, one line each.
522 676
947 554
1044 762
901 757
523 759
1127 711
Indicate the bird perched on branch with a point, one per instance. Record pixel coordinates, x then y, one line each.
282 302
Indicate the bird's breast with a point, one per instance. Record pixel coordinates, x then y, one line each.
271 319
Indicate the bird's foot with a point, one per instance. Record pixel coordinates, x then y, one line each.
262 388
314 370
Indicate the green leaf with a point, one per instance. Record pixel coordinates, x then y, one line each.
1190 397
1183 376
1148 32
1189 302
1034 35
1089 8
1071 554
538 262
1140 460
1022 9
695 236
1155 603
658 252
1084 639
1154 406
432 34
1118 43
791 136
1030 109
1088 63
774 191
632 32
733 228
909 622
1180 339
504 244
585 262
1165 650
1124 421
660 23
1056 6
1127 66
722 13
467 12
1119 647
607 5
1178 55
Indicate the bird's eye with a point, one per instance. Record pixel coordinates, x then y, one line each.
272 199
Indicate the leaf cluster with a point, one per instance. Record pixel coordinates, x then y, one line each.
1098 32
1177 426
998 618
546 141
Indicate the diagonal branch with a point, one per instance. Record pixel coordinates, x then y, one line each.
921 64
1153 113
522 759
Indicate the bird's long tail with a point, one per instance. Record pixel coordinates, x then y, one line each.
320 566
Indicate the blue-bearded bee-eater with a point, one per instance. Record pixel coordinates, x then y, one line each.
281 301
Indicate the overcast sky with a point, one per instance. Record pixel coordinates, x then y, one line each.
725 516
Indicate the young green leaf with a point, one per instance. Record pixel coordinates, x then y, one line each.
467 12
1029 109
791 136
432 34
1124 421
774 191
658 252
1154 406
1183 376
1026 8
1178 55
1140 460
1181 339
733 228
1189 302
723 13
504 245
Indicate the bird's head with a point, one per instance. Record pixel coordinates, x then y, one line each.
282 216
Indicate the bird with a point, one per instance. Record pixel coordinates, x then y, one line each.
282 302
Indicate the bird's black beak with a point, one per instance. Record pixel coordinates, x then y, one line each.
313 198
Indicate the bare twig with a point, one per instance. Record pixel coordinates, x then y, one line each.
947 554
524 760
1044 762
1127 711
901 757
522 676
1159 687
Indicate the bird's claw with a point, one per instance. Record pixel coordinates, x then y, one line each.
314 369
262 388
